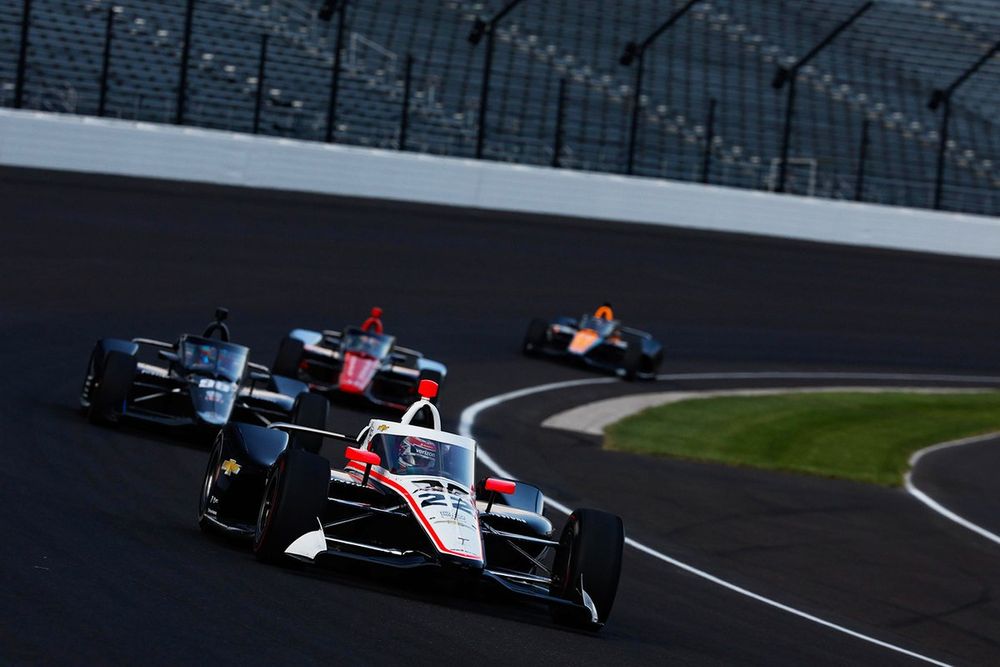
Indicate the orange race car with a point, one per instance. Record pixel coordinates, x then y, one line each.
597 340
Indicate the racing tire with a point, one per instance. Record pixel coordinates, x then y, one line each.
108 395
632 361
295 497
88 383
289 356
309 410
207 487
534 339
589 551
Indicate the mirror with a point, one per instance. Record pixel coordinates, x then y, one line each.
362 456
168 355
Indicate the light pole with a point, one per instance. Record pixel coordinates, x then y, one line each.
943 98
479 29
789 75
636 52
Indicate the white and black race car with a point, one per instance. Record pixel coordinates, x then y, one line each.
197 383
407 499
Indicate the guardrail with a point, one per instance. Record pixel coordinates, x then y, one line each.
99 145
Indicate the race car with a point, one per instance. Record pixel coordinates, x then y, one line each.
205 383
358 362
596 340
406 499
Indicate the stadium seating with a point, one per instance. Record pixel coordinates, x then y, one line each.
882 70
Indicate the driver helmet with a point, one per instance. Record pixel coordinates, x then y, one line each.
414 452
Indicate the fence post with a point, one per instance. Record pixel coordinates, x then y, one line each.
706 164
261 66
942 151
859 188
557 146
185 57
331 116
484 94
106 61
404 120
22 58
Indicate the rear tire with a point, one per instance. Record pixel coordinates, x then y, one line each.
632 361
310 410
109 394
590 550
289 357
87 389
534 339
295 497
207 488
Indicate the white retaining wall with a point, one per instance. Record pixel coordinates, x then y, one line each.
84 144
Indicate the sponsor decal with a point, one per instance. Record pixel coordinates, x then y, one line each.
219 385
383 427
231 467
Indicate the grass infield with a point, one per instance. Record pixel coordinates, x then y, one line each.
866 437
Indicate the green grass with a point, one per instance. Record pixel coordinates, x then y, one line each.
859 436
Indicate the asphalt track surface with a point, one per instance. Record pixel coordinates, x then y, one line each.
101 559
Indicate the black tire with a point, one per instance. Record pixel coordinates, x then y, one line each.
88 383
534 339
294 497
289 357
632 361
590 548
111 388
207 488
309 410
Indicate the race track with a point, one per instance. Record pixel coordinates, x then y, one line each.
102 560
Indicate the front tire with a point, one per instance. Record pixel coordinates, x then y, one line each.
109 390
534 339
589 554
632 362
294 497
310 410
208 488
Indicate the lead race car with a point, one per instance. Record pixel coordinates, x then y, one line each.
597 340
360 362
205 383
407 499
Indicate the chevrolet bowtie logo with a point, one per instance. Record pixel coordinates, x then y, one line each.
231 467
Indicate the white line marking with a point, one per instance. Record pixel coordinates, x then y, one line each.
912 489
823 375
468 419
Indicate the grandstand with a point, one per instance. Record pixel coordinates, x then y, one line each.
882 70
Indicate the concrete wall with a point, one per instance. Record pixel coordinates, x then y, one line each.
78 143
